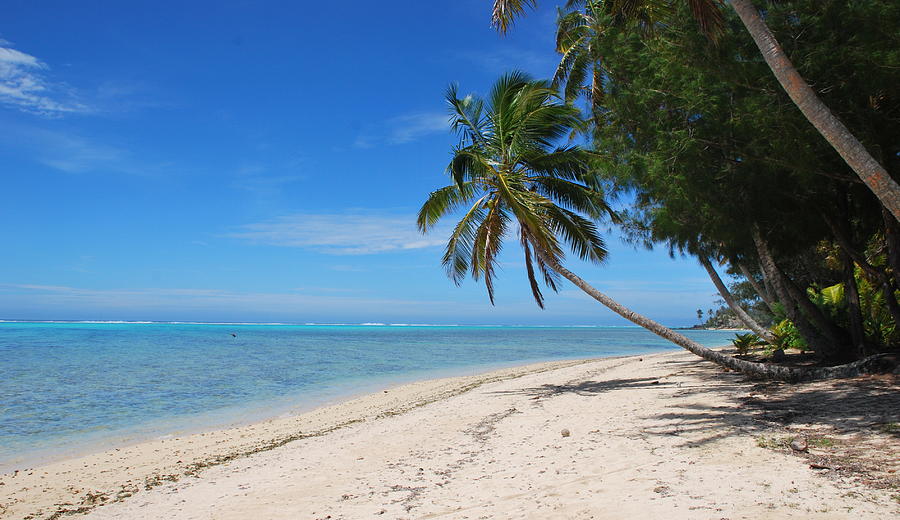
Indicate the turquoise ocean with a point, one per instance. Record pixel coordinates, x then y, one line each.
73 387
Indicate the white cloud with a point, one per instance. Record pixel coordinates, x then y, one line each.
342 234
404 129
15 57
23 85
414 126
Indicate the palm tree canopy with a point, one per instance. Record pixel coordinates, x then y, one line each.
513 177
646 12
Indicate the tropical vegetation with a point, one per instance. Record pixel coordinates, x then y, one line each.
649 14
721 166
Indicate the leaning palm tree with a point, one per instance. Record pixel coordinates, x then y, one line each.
709 17
510 178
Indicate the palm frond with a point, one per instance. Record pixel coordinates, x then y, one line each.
505 12
487 245
569 162
529 268
443 201
569 53
506 99
459 246
581 234
532 211
539 122
708 14
466 115
570 28
573 196
552 279
577 74
467 165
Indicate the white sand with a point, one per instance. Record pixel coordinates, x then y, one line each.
661 437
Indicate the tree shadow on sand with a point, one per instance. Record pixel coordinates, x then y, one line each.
868 403
853 424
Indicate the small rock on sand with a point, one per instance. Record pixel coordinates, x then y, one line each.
799 444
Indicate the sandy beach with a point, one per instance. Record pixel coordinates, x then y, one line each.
661 436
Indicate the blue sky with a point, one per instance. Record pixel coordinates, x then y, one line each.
263 161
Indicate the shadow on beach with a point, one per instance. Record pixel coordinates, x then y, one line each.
852 423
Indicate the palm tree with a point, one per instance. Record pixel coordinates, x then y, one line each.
509 177
739 311
709 17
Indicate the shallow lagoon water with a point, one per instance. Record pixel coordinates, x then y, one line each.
67 386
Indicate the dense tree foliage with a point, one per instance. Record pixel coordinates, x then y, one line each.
722 166
715 160
650 15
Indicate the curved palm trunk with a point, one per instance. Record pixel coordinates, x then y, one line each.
759 370
760 290
746 367
832 129
729 299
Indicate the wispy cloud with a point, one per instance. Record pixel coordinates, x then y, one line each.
404 129
357 233
73 153
265 181
24 85
414 126
191 298
505 58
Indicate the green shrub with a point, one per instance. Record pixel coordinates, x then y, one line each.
744 342
786 336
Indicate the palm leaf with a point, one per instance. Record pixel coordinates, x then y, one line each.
574 196
505 12
468 165
581 234
443 201
708 14
487 245
459 246
529 268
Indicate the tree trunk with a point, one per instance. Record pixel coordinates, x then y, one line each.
836 337
749 368
767 283
760 290
854 312
729 299
873 174
891 299
892 238
779 285
825 338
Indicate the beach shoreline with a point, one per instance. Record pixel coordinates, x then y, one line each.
212 447
627 408
253 413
